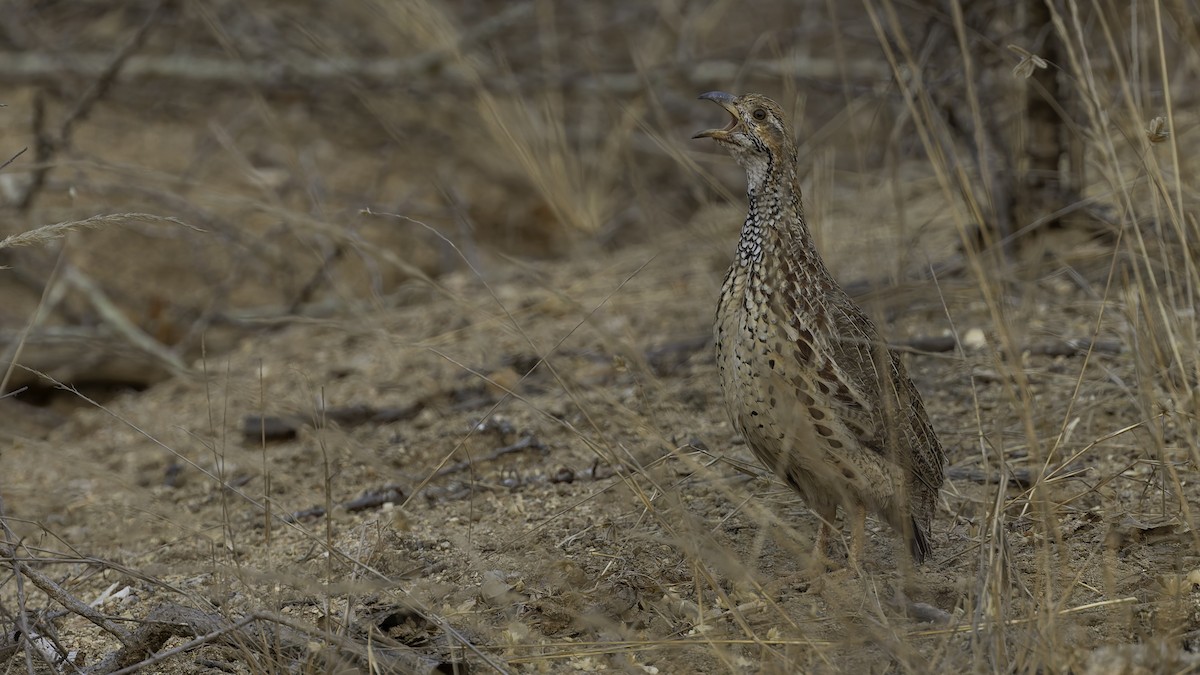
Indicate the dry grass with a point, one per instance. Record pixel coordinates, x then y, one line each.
667 549
1147 295
47 233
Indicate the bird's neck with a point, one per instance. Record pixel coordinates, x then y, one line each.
774 224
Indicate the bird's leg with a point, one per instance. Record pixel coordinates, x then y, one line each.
826 513
858 534
821 549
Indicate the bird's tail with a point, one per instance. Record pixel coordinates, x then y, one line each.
919 542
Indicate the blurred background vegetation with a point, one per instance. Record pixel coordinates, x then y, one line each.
530 130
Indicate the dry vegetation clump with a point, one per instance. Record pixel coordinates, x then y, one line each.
374 336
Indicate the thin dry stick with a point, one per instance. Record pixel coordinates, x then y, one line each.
13 158
22 619
43 308
43 153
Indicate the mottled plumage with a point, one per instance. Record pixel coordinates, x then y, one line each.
816 393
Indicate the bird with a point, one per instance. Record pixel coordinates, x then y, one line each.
818 397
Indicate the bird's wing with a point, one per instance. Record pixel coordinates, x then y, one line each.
928 457
896 413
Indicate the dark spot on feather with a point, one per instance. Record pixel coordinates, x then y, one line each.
816 413
835 444
823 430
803 352
827 371
848 472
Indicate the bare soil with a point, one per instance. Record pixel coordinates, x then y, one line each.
629 527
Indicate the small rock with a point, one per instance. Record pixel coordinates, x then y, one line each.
495 590
974 338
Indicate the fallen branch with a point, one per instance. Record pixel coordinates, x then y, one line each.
273 634
116 319
317 73
528 441
70 354
257 428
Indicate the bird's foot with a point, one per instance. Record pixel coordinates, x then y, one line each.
841 574
820 563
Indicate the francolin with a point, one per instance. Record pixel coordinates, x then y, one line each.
808 382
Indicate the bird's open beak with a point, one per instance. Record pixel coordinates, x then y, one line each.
725 101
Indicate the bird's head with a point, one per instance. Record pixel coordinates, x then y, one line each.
756 136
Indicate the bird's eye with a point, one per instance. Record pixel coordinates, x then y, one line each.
759 114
